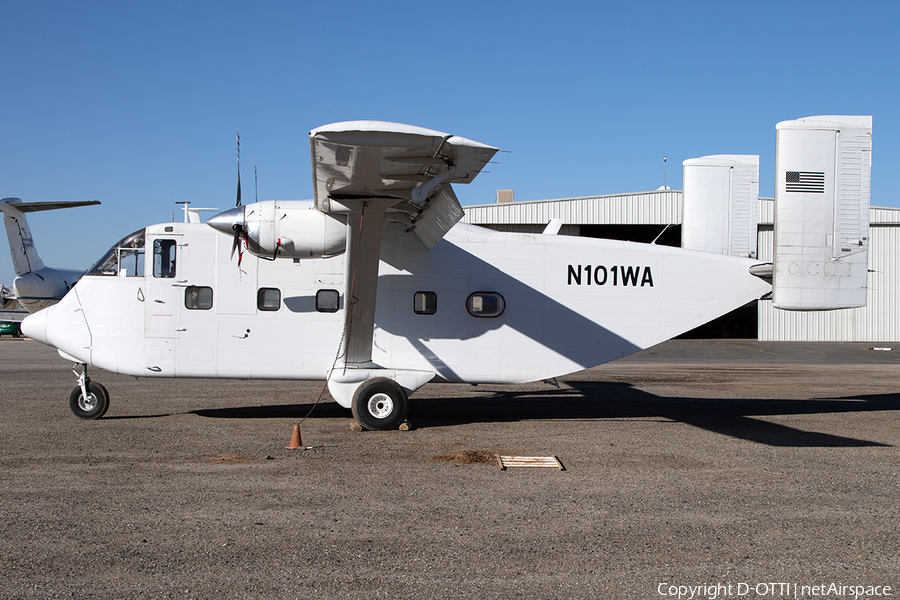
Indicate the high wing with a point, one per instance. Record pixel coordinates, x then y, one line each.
403 170
377 173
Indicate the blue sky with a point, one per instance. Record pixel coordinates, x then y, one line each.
136 104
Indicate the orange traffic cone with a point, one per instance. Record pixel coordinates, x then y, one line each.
295 439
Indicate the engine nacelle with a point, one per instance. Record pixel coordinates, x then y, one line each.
7 298
285 229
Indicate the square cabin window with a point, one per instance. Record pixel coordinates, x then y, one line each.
268 299
164 258
328 301
425 303
198 297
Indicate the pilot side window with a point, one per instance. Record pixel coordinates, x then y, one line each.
328 301
164 258
198 297
425 303
131 262
268 299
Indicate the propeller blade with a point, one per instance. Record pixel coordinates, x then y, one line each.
238 203
238 230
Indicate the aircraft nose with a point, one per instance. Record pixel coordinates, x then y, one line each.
225 221
35 326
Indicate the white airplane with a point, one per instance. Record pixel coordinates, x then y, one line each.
35 286
376 287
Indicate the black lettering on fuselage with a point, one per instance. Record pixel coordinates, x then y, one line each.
600 275
630 274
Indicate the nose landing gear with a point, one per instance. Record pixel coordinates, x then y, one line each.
89 400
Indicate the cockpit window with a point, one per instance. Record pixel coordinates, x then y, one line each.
125 258
164 258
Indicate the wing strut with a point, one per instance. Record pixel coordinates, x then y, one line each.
369 170
362 257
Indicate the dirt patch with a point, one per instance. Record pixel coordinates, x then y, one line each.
468 457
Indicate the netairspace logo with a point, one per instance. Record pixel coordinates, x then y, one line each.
724 591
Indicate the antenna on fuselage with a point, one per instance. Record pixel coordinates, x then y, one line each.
192 215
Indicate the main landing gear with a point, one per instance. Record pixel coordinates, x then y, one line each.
380 403
89 400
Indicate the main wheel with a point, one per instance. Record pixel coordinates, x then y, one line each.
380 403
94 406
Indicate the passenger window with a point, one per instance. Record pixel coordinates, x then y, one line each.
164 258
328 301
485 304
425 303
198 297
268 299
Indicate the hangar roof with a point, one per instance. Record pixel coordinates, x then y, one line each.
661 207
648 208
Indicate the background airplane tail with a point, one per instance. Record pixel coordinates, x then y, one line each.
21 243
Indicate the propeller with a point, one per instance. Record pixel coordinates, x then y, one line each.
238 227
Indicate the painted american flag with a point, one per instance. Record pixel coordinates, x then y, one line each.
804 182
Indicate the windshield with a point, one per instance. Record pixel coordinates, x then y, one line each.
126 258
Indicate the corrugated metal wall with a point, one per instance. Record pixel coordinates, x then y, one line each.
876 322
645 208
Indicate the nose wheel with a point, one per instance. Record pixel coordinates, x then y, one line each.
89 399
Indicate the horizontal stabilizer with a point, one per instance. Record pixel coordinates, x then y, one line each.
823 172
28 207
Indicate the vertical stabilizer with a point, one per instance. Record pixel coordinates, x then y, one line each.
719 208
21 245
823 171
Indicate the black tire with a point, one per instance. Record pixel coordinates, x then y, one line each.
96 405
379 404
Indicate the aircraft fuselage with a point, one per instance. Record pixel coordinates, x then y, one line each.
481 306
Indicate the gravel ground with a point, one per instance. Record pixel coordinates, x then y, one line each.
692 463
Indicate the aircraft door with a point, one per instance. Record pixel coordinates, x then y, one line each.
162 317
197 299
162 312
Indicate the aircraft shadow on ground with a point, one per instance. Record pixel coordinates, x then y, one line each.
610 401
